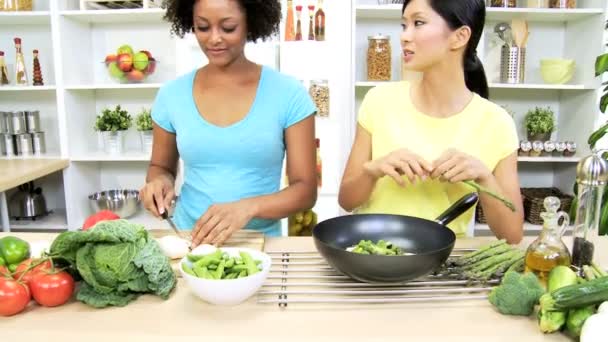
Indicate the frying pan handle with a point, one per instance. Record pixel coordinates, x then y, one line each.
458 208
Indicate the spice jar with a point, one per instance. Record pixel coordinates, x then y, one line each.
591 178
537 148
563 3
319 91
570 149
524 148
379 58
560 147
503 3
537 4
549 147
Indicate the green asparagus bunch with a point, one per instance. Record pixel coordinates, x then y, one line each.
488 262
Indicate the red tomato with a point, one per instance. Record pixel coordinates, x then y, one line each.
14 297
52 289
25 264
104 215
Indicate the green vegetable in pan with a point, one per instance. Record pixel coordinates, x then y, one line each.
380 248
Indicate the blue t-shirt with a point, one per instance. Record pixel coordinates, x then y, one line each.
245 159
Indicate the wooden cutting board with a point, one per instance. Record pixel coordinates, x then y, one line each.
242 238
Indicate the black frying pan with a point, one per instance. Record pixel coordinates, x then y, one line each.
431 241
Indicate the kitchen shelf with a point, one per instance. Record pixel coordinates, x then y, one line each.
54 221
99 156
25 18
366 84
492 14
27 88
115 86
549 159
150 16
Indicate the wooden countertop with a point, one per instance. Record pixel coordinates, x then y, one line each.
186 317
14 172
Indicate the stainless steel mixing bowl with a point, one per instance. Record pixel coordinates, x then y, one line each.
124 203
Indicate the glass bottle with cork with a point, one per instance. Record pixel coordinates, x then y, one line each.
320 22
311 25
548 250
591 178
20 71
3 72
290 33
299 22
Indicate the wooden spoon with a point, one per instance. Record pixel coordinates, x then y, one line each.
520 29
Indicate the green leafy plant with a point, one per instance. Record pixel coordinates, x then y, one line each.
539 121
601 66
143 121
114 120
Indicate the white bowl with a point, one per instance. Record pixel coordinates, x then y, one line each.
228 291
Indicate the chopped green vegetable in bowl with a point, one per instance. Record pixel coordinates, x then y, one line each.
226 276
380 248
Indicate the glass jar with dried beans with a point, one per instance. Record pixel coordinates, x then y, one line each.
502 3
379 58
563 3
319 91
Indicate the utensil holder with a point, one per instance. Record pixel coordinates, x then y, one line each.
512 64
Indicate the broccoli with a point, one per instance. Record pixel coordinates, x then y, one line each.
517 294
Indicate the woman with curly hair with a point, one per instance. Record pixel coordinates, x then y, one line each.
231 121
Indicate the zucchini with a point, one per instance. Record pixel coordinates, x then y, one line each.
576 296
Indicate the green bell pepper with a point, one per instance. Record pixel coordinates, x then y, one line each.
13 250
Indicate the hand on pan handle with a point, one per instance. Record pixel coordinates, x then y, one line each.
157 195
398 163
455 166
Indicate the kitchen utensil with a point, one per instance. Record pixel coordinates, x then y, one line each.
28 202
512 64
520 31
32 121
500 29
287 289
124 203
431 242
167 218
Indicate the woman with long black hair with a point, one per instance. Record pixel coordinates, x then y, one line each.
417 141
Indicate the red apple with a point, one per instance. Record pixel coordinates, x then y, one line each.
147 53
125 62
151 66
135 76
110 59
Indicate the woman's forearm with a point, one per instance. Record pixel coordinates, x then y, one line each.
297 197
356 189
155 171
504 223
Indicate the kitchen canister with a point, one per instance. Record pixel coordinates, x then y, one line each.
17 123
32 121
9 144
3 123
512 64
24 144
2 145
38 143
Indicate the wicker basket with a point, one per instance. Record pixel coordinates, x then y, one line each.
534 198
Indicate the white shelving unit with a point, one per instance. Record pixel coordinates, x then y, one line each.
554 33
73 44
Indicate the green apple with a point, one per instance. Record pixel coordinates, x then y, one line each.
115 70
140 61
125 49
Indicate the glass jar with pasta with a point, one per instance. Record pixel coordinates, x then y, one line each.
379 58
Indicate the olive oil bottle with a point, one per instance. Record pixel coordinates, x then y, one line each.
548 250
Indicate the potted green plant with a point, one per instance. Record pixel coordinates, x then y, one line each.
143 122
539 123
113 123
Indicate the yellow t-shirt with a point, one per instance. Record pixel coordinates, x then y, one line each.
483 130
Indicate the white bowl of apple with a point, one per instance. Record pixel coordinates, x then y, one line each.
128 66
